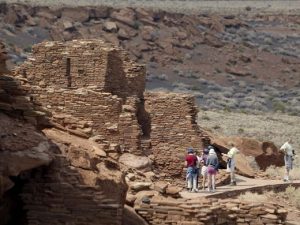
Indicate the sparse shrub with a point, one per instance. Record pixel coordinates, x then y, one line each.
28 49
195 88
241 130
227 109
278 106
216 127
205 118
278 172
274 172
136 24
162 77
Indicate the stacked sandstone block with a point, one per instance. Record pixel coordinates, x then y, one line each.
82 85
165 211
173 129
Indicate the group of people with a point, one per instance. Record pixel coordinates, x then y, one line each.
207 165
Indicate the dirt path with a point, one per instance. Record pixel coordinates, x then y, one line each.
243 185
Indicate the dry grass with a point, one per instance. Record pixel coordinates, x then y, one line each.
253 197
290 196
278 173
264 126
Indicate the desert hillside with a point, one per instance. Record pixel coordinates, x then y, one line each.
240 61
104 106
274 127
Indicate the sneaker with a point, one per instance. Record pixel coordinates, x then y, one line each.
208 189
195 190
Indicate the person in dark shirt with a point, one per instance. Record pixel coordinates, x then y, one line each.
191 172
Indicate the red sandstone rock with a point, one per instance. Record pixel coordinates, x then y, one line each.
148 33
137 162
22 148
264 153
110 26
125 15
75 14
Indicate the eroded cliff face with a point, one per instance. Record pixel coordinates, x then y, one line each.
51 174
22 146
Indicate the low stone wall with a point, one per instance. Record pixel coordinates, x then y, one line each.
199 211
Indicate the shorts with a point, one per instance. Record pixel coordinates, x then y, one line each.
230 166
204 171
288 161
211 170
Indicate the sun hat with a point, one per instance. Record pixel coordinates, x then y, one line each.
205 151
190 150
212 151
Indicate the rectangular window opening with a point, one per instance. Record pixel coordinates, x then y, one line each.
68 72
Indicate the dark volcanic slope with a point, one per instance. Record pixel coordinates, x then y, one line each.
229 62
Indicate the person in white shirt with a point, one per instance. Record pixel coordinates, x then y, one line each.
289 154
231 163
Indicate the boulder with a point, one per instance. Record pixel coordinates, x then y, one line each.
3 58
126 16
237 71
140 186
130 217
265 154
136 162
140 196
98 150
130 199
75 14
110 27
160 186
99 12
148 33
123 35
22 148
173 190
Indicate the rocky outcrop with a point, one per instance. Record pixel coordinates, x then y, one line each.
22 146
3 58
79 185
254 155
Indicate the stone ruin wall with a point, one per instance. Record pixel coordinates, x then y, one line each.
173 130
88 86
165 211
74 189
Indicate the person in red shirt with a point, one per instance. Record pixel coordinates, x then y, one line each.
191 172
